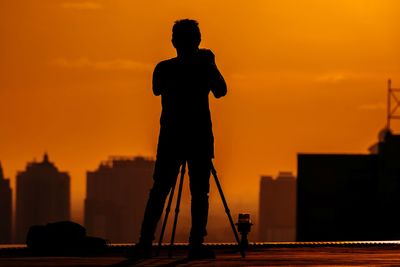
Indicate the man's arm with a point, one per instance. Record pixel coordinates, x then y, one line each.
218 85
157 80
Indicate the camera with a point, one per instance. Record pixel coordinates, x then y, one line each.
206 55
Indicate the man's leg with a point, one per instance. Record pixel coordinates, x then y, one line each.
199 173
165 174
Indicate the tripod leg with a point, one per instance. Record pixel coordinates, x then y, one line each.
178 202
228 212
167 210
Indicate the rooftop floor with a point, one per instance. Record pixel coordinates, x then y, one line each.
267 254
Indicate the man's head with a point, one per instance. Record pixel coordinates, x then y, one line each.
186 36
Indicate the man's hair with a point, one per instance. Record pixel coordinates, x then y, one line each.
186 30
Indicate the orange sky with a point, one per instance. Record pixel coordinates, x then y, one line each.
303 76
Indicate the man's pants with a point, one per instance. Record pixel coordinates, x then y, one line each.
165 175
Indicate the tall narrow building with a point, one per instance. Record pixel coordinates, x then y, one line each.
116 196
5 209
277 208
43 196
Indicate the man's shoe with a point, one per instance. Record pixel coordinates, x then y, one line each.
198 252
140 251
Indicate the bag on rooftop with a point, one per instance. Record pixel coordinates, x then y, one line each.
63 237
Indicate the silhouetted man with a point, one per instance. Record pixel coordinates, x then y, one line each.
184 83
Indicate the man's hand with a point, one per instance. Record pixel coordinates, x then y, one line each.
217 82
206 55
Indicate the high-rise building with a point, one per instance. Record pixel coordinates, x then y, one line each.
350 196
116 195
277 208
43 196
5 209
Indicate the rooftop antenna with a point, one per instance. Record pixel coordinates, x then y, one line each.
393 104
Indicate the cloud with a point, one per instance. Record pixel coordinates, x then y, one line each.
81 5
373 106
331 78
115 64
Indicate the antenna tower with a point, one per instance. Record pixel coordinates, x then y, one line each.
393 104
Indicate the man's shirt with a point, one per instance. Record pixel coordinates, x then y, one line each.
184 86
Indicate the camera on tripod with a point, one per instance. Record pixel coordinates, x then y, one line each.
244 226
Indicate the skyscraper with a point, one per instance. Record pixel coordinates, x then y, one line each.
277 208
350 196
116 196
43 196
5 209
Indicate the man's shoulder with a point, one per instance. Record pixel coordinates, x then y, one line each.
167 63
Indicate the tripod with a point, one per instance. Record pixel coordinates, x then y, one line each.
178 201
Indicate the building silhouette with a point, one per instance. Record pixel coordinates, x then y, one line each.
116 196
43 196
350 197
277 208
5 209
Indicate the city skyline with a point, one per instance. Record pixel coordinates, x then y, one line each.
282 183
